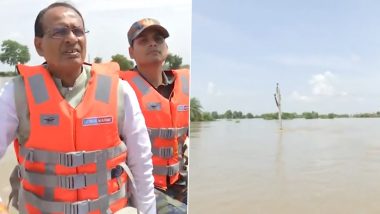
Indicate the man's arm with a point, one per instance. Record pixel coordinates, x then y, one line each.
8 116
138 143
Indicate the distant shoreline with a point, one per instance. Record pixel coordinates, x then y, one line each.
198 114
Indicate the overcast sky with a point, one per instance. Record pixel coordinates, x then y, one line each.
108 22
325 55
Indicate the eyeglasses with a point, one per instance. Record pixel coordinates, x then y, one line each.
62 32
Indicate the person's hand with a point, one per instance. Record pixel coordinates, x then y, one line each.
3 209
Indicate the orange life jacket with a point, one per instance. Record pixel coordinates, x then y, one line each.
66 163
167 121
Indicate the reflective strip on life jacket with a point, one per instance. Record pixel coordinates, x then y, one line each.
166 170
167 133
80 207
39 89
75 181
141 85
185 85
103 88
71 159
164 152
40 93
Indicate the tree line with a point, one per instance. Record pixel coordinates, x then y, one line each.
13 53
198 114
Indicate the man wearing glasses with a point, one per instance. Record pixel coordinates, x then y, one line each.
164 100
70 120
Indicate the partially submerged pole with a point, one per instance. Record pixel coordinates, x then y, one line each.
277 98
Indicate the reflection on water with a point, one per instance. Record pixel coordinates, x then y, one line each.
312 166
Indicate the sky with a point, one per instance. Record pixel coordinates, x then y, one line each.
325 55
108 23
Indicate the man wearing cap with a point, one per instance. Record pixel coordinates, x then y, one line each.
164 100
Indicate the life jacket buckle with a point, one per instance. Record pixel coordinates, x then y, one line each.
166 152
167 133
81 207
72 159
29 156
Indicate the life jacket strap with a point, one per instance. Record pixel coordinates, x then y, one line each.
76 181
163 152
80 207
71 159
167 133
166 170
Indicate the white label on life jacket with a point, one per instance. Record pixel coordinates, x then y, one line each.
182 107
94 121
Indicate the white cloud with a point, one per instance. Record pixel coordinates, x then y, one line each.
323 85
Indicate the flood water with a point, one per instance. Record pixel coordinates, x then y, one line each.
312 166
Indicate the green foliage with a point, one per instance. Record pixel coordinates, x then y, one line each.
206 116
195 110
270 116
97 59
8 73
14 53
228 114
214 115
310 115
367 115
250 116
173 62
287 116
124 63
331 115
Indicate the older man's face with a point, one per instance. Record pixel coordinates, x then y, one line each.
63 44
149 47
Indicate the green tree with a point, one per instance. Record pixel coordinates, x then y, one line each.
173 61
195 110
124 63
97 60
270 116
331 115
206 116
14 53
228 114
249 115
310 115
214 115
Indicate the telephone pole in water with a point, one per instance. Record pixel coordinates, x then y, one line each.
277 98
